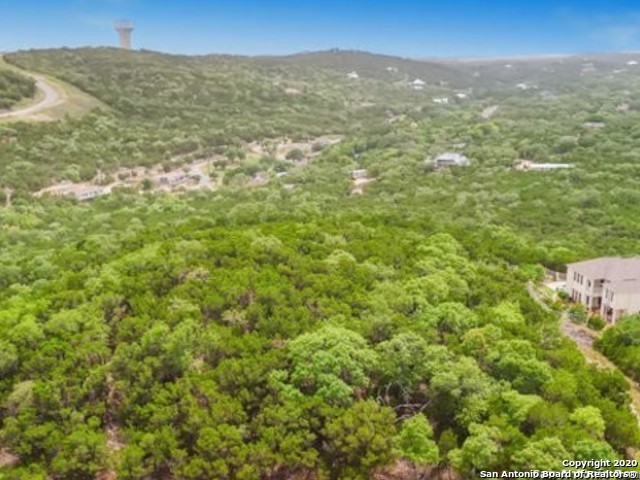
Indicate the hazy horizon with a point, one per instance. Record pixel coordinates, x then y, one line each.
407 28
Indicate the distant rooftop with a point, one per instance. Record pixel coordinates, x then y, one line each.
452 157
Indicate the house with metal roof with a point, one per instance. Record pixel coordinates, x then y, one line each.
451 159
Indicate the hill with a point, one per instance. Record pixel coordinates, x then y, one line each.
380 67
162 106
554 72
223 90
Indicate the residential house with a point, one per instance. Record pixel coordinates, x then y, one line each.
358 174
528 166
353 75
452 160
441 101
609 286
620 298
418 84
82 192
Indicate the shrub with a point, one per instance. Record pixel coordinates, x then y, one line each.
596 322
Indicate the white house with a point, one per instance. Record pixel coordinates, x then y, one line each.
418 84
528 166
610 286
358 174
441 101
353 75
82 192
452 160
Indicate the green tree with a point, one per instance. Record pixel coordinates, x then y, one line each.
545 454
359 439
590 420
480 451
415 444
331 363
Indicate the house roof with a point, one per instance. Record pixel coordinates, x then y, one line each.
452 157
624 286
613 269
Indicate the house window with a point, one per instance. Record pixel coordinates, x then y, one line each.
588 283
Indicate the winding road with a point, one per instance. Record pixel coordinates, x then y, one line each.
52 97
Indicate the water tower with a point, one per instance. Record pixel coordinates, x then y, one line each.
124 29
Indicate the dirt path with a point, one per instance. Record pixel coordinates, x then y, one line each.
584 338
52 97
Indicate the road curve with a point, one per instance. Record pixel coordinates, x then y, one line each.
52 97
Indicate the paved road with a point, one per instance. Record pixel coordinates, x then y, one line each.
52 97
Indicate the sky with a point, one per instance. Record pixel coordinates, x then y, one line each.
408 28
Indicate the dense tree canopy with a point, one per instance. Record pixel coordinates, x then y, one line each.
296 328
